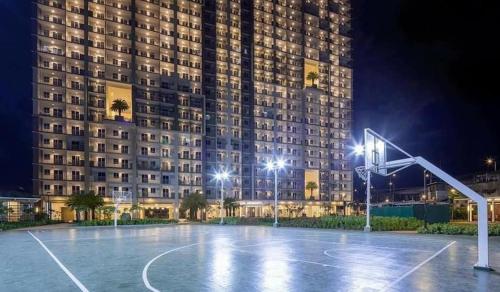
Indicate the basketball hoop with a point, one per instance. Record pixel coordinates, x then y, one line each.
362 172
375 151
120 197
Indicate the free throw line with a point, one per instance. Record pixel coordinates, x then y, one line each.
417 267
70 275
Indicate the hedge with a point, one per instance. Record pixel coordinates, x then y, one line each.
24 224
126 222
455 229
330 222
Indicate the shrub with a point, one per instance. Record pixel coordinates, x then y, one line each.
454 229
126 222
23 224
330 222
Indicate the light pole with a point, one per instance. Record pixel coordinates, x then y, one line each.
221 176
492 162
343 204
275 166
392 187
425 182
424 197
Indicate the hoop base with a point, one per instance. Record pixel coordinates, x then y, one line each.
367 229
481 268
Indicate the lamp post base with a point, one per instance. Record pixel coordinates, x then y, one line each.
276 224
367 229
481 268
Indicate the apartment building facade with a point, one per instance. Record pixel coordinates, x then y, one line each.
208 85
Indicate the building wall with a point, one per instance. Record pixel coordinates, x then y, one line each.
210 85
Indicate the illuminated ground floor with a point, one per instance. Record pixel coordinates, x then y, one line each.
167 209
18 206
471 209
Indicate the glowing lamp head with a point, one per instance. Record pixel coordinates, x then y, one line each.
489 161
359 150
223 175
270 165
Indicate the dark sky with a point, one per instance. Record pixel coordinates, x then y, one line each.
425 75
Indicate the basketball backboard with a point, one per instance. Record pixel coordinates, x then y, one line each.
375 153
121 196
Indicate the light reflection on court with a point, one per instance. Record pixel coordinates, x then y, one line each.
242 258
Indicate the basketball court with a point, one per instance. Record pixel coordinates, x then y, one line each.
239 258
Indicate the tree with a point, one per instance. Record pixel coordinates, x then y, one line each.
119 105
313 76
76 202
84 202
135 210
230 204
311 186
4 210
452 195
327 207
192 203
106 211
93 201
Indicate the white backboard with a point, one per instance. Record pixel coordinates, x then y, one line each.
121 196
375 153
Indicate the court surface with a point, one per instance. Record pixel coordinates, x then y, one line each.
239 258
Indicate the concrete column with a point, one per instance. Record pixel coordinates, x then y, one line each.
492 211
469 211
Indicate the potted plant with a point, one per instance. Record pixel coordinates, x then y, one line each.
313 76
312 186
119 105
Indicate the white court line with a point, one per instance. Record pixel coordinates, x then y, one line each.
417 267
146 267
366 245
293 260
70 275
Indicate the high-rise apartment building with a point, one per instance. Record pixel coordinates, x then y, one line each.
153 96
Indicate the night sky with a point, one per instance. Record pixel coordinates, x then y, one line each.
425 75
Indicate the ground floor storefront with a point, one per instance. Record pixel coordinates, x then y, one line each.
471 209
17 206
169 209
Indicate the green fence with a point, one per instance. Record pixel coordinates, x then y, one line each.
432 213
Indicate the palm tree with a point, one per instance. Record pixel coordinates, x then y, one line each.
230 204
312 76
193 203
76 202
311 186
4 211
106 212
119 105
84 202
135 210
93 202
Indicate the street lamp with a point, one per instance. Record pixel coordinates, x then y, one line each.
221 176
424 198
359 150
491 161
275 166
343 204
